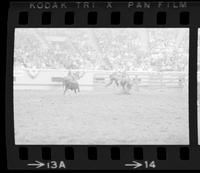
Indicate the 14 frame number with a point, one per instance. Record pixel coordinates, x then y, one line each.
146 164
149 164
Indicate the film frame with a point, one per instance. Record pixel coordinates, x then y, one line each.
104 157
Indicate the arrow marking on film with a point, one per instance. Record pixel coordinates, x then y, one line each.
134 164
37 164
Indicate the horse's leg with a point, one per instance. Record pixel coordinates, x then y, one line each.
65 90
116 82
123 87
111 81
126 88
63 85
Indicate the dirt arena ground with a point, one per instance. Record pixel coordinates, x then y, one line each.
102 116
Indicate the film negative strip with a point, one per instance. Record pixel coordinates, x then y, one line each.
102 85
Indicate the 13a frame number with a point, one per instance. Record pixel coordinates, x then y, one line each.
55 165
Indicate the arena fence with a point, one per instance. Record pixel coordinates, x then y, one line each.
52 78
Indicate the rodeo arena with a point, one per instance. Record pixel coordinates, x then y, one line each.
101 86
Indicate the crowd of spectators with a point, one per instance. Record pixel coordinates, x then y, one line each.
101 49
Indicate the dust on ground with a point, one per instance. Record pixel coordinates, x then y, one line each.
102 116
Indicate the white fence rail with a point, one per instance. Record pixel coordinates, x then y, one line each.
51 78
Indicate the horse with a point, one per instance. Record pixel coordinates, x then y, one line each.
124 81
71 84
71 81
114 78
